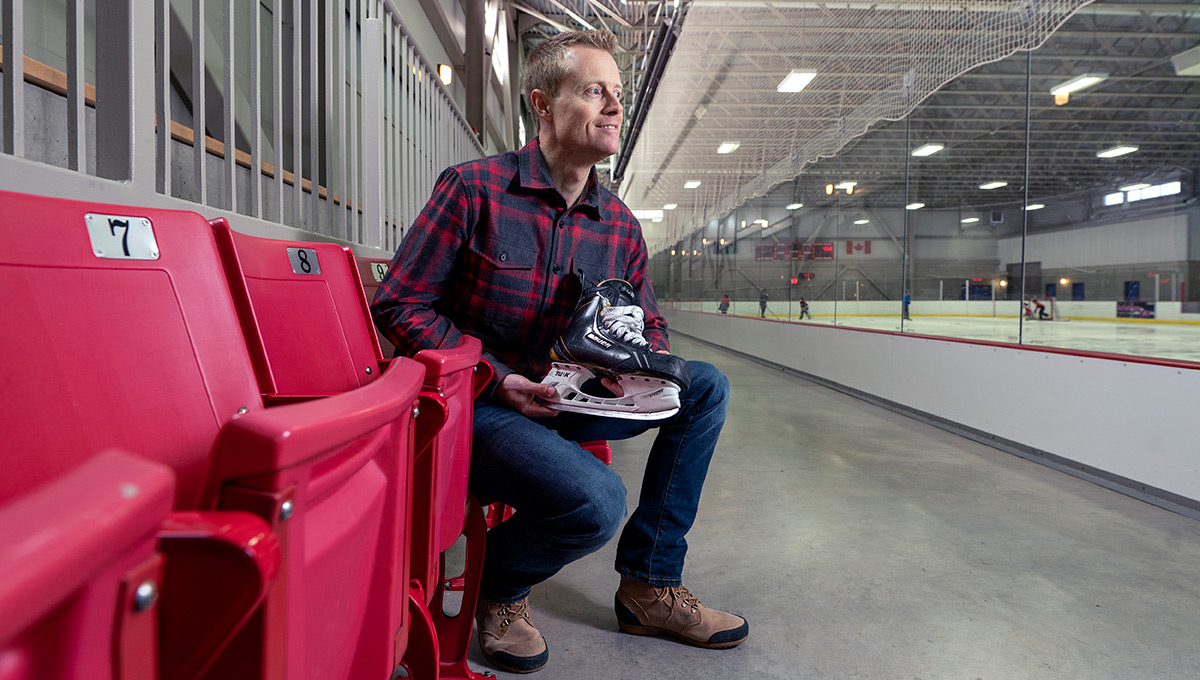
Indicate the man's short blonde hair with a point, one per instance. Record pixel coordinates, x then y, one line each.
545 67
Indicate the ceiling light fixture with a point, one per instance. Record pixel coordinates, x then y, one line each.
1187 63
446 73
795 81
670 206
728 147
654 215
1035 206
862 221
914 206
928 150
1134 187
691 184
1077 83
969 220
793 206
845 185
828 189
1116 151
993 185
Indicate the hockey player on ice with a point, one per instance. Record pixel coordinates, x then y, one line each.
1040 308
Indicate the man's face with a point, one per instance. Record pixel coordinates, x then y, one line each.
586 113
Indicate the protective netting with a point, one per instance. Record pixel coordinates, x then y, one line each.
873 61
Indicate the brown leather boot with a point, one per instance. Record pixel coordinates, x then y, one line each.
508 638
643 609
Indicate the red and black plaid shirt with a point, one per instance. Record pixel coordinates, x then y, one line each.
497 254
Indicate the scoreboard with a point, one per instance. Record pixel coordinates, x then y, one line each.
818 251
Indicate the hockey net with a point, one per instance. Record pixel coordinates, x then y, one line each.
873 62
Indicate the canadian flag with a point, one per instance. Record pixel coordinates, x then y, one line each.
858 247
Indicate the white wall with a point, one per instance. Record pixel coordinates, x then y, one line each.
1152 240
1135 420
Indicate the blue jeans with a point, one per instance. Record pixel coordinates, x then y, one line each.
569 504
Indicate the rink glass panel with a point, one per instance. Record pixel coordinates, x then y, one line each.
1114 258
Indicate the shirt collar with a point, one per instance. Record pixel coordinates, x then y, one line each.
535 174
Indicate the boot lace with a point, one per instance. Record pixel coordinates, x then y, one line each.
684 597
627 323
514 611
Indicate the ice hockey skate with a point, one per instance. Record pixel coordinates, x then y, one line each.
604 339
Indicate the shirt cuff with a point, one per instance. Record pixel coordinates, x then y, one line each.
499 373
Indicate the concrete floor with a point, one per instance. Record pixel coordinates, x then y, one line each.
862 544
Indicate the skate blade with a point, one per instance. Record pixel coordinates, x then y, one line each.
604 412
645 398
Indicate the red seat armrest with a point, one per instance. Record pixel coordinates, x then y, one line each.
55 539
268 440
219 568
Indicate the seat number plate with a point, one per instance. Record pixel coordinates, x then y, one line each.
378 270
121 237
304 260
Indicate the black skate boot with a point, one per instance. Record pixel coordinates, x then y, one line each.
604 338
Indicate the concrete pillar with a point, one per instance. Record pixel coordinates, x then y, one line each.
477 70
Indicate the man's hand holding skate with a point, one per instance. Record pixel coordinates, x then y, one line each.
524 396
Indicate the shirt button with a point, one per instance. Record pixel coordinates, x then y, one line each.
557 269
503 256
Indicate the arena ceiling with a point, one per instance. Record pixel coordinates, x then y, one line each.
961 67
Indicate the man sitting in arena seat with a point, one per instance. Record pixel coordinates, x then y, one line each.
502 251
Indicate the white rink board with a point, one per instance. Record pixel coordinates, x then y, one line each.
1130 419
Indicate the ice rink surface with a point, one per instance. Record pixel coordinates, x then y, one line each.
1164 340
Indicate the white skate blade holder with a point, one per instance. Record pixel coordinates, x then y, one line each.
645 398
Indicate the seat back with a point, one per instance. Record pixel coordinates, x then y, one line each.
304 313
119 331
81 572
371 271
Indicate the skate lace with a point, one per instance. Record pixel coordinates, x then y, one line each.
627 323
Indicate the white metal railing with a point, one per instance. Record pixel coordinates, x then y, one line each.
338 122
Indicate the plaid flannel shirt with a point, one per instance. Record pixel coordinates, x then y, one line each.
496 253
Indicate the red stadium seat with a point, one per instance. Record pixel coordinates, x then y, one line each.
371 271
128 337
305 317
80 573
444 510
335 348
